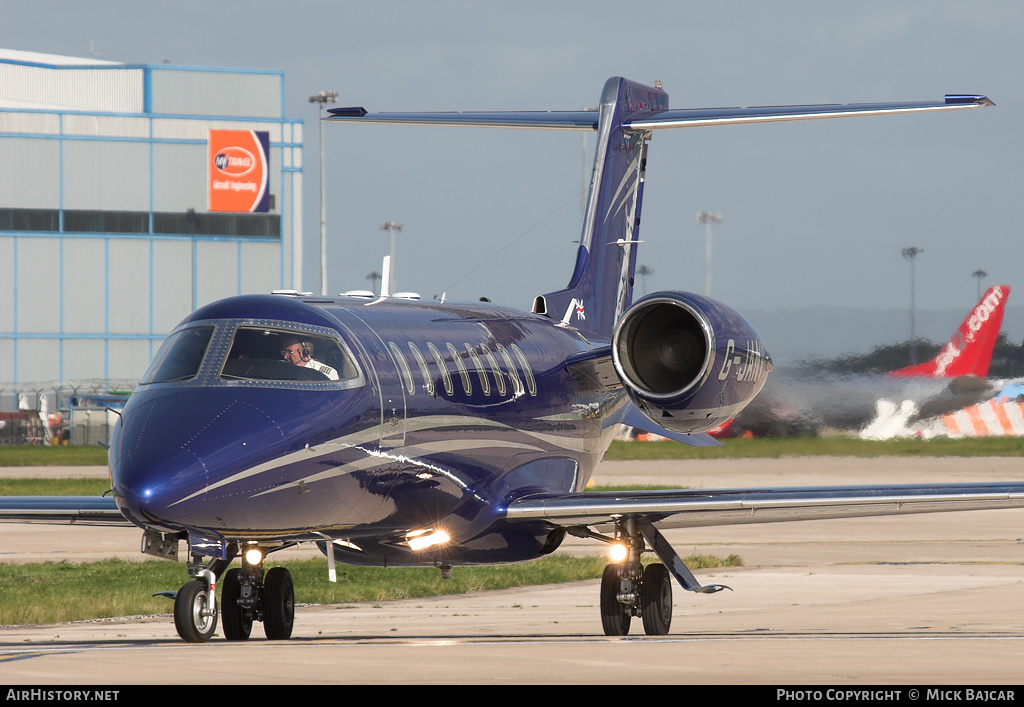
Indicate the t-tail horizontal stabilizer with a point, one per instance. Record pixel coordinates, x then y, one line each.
601 286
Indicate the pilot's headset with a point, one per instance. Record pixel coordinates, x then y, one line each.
306 351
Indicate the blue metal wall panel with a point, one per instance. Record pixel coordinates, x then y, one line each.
97 304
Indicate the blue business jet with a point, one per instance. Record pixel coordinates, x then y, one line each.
397 432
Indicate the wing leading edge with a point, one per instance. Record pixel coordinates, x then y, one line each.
79 510
701 508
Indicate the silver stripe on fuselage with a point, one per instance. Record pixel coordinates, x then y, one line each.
357 440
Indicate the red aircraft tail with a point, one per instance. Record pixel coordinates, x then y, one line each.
969 352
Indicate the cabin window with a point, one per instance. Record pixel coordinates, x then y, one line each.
499 378
428 382
443 368
463 373
180 356
527 371
280 354
485 385
517 383
403 367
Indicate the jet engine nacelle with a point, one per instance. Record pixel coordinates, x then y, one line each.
688 362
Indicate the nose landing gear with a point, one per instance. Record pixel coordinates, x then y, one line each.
195 609
248 595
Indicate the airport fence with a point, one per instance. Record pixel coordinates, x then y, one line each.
61 412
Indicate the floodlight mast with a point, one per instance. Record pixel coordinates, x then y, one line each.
707 219
321 98
643 271
981 275
391 227
911 254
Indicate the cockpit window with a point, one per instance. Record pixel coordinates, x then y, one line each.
274 354
180 356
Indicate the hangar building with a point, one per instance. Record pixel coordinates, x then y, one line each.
112 227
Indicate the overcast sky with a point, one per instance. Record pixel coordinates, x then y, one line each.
815 213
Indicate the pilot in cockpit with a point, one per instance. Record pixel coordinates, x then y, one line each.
300 353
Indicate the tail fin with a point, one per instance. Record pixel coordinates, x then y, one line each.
969 352
601 287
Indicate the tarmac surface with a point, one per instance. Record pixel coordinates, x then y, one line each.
914 601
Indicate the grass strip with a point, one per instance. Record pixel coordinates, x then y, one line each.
765 447
54 487
45 455
776 447
57 592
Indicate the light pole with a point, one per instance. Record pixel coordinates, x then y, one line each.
321 98
707 219
391 227
911 254
980 274
373 277
643 271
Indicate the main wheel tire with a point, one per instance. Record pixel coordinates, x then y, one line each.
656 599
237 621
615 616
278 604
192 612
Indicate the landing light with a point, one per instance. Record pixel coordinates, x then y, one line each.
253 556
420 539
618 552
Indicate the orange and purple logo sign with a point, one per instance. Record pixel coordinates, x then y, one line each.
239 169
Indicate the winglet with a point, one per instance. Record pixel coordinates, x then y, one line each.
350 112
968 99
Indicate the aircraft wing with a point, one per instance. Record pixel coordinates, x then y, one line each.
656 120
78 510
687 508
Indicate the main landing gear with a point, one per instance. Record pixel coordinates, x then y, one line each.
629 589
248 595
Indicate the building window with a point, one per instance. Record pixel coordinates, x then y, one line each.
188 223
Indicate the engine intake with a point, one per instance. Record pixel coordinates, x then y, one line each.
664 347
689 363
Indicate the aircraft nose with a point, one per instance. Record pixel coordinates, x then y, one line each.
170 445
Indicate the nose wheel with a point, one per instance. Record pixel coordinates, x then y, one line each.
237 618
278 604
195 611
248 596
